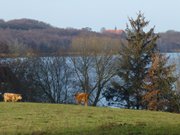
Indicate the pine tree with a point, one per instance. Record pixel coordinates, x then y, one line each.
159 83
134 58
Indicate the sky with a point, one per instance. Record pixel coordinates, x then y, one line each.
163 14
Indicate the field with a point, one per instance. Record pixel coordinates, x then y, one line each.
58 119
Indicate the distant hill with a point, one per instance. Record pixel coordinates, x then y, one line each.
22 36
169 41
23 24
32 36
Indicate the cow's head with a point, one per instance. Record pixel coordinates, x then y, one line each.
18 97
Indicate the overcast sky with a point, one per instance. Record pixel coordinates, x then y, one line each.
164 14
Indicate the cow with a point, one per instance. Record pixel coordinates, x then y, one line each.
12 97
82 98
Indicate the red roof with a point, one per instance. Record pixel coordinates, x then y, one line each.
114 31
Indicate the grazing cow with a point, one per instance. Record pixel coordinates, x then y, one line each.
11 97
82 98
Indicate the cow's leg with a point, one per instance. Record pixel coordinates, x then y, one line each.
86 102
13 99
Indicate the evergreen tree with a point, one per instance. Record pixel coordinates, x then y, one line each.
132 65
159 83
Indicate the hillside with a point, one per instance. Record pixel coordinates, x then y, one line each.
32 36
169 41
26 36
23 24
48 119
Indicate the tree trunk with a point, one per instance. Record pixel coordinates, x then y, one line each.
97 96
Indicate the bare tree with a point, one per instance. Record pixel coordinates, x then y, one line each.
93 69
52 75
104 72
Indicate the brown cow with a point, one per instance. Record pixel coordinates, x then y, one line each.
82 98
12 97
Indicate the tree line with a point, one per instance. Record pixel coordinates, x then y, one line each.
25 37
137 77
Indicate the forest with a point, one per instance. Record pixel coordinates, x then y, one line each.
26 37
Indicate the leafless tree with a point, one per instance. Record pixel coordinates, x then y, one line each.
93 69
52 76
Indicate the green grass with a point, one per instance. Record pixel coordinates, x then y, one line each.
57 119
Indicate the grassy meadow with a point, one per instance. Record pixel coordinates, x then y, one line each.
58 119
